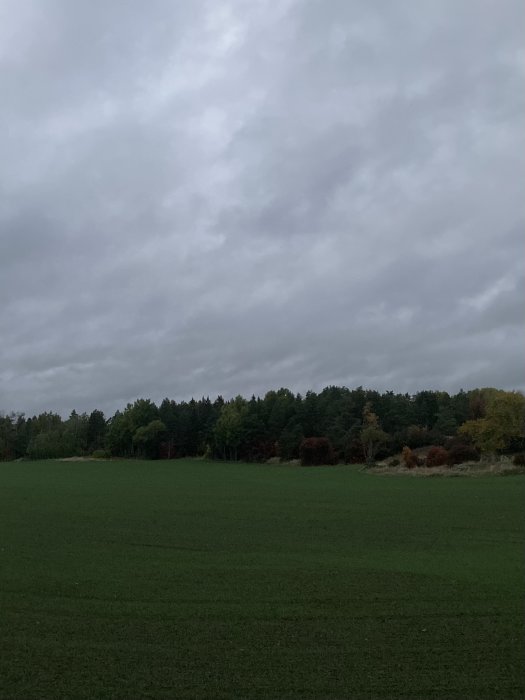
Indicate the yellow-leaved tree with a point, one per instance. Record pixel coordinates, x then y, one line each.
372 437
503 424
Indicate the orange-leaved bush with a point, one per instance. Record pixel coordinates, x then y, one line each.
409 458
437 457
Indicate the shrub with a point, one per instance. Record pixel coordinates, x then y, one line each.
100 454
394 463
417 436
461 452
409 458
316 451
437 457
519 460
354 452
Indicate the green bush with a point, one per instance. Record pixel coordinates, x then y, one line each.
100 454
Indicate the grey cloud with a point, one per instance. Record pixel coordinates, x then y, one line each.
225 197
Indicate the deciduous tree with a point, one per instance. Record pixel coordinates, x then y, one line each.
504 422
372 437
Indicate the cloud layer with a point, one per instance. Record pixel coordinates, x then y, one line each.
227 197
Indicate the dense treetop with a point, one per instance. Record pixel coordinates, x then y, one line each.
358 425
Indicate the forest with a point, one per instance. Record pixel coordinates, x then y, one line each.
335 425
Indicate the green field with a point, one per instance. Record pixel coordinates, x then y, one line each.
190 579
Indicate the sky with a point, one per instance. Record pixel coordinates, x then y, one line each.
223 197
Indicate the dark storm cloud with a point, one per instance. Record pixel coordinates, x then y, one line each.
224 197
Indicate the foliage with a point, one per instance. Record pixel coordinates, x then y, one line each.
417 436
446 423
228 432
47 445
504 422
437 457
482 435
290 440
96 430
362 425
119 436
409 458
316 451
460 451
426 408
75 434
147 439
372 437
8 437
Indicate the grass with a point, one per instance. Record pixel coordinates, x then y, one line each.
199 580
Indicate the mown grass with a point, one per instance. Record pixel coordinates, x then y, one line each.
190 579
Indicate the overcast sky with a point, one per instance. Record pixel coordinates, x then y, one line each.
229 197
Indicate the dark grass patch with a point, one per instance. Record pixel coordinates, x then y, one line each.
202 580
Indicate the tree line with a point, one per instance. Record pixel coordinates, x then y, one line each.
337 424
